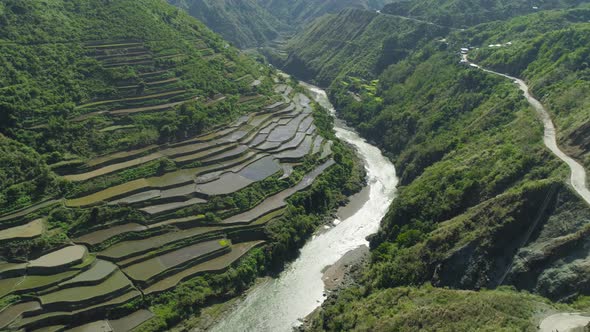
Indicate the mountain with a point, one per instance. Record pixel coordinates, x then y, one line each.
483 203
353 42
465 13
254 23
138 182
297 12
364 42
551 54
57 78
244 23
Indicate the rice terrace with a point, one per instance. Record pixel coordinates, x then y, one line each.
200 212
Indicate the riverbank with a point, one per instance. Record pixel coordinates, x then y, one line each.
342 273
281 303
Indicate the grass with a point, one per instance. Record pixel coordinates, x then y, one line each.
113 168
100 271
169 207
117 127
133 248
62 257
33 282
268 217
435 309
103 102
102 235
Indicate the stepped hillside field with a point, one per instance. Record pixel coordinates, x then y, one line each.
148 166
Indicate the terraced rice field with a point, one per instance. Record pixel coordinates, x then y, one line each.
123 324
151 268
30 230
59 259
177 238
71 296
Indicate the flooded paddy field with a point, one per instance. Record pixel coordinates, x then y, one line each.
178 223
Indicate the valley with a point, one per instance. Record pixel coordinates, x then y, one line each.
277 151
174 173
155 177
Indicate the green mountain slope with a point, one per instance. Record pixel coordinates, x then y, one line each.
435 309
466 13
353 42
552 55
138 181
244 23
305 10
258 22
483 203
56 61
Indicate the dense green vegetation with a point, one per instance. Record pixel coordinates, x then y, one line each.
253 23
466 13
482 203
244 23
24 176
433 309
48 71
148 99
550 51
353 42
480 193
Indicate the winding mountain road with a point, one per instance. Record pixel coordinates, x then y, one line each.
578 173
566 321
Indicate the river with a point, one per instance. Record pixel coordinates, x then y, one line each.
278 304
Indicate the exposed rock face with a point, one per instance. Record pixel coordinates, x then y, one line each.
541 245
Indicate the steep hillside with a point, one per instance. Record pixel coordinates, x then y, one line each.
244 23
483 202
254 23
407 309
85 85
551 53
363 43
147 167
466 13
354 42
305 10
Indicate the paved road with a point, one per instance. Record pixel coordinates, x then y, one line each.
563 322
578 173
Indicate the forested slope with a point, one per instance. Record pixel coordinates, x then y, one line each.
55 81
354 42
254 23
551 53
483 203
147 166
244 23
466 13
